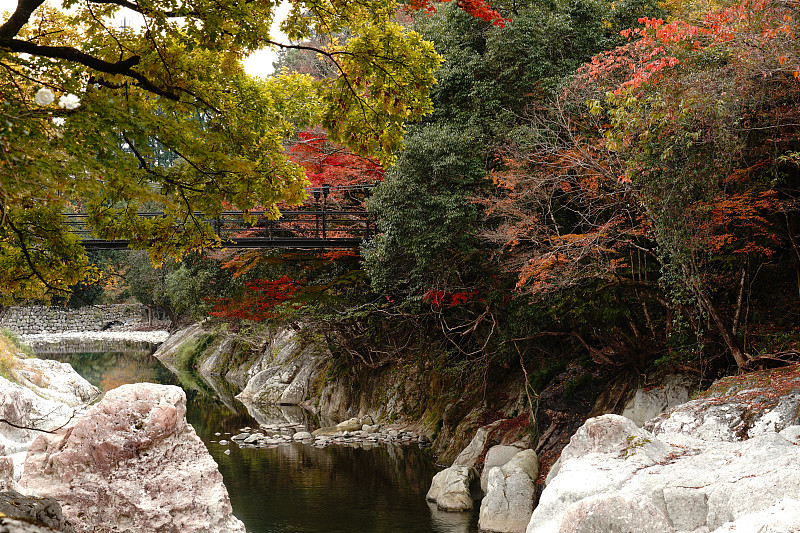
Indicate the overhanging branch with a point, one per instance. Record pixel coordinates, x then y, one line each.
123 67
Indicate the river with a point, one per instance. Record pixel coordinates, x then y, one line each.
296 488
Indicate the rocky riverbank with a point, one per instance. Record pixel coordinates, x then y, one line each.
724 462
126 462
292 366
687 471
359 432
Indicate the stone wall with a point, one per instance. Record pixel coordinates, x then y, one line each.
40 319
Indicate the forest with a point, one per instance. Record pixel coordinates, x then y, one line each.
603 185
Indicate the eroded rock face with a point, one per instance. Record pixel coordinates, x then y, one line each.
737 408
289 368
511 494
132 464
46 403
651 400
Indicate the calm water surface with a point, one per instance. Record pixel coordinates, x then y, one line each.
295 488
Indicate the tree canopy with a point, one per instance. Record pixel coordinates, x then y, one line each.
88 110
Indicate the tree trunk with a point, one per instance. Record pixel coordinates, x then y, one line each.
741 358
725 332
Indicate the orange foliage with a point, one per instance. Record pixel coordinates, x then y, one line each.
739 225
327 162
766 26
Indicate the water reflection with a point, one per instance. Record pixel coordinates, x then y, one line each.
294 487
282 414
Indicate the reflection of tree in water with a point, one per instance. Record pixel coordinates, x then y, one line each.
109 370
128 370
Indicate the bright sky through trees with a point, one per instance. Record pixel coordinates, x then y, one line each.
256 64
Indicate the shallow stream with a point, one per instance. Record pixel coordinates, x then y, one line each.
295 488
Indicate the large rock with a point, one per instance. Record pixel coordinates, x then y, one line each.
54 380
652 399
782 517
498 456
615 513
44 404
511 494
132 464
286 370
614 476
737 408
477 447
455 488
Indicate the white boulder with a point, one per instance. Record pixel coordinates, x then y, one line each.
477 446
737 408
497 456
511 494
132 464
45 404
615 513
614 476
454 488
650 401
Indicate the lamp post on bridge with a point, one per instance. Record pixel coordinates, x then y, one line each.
326 188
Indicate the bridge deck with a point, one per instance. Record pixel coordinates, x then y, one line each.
294 229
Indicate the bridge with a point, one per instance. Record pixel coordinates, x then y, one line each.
306 228
294 229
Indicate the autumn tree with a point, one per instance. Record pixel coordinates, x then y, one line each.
667 166
490 76
83 101
706 125
348 175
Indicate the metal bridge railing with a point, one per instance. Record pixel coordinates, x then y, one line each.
307 228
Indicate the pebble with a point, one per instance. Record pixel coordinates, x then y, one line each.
354 439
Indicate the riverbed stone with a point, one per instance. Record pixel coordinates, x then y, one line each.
302 435
455 488
510 494
353 424
132 464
